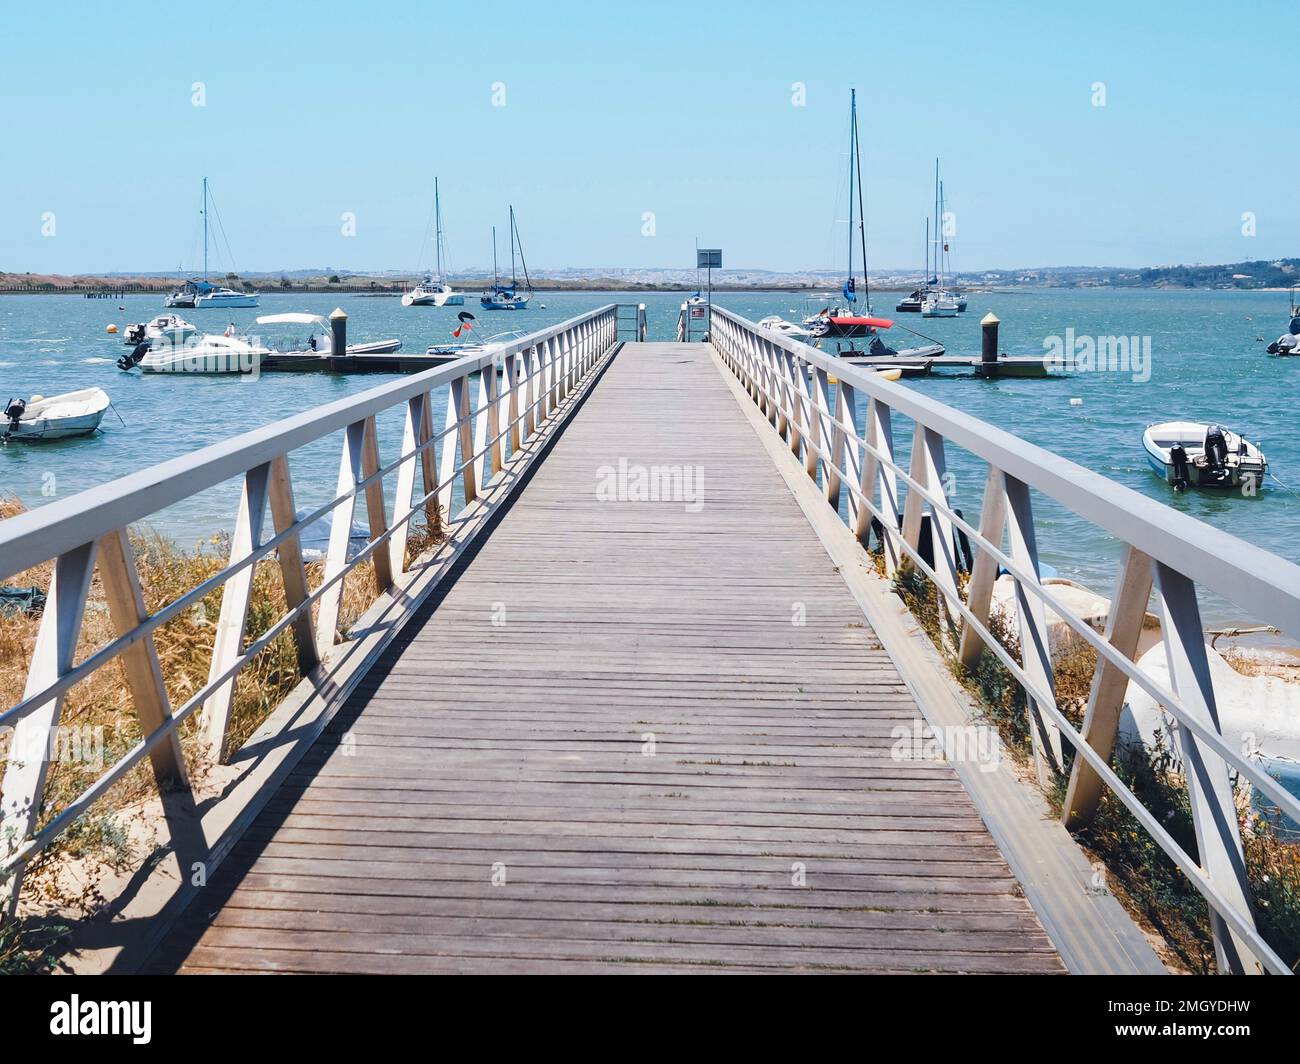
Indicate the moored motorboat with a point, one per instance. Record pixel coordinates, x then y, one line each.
440 354
912 302
272 347
776 323
1289 342
56 417
1192 454
163 328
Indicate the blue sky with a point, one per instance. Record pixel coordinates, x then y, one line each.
682 110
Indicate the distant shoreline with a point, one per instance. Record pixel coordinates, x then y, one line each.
105 288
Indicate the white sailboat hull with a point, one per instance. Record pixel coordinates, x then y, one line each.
219 299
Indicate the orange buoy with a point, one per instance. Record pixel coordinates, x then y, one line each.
111 328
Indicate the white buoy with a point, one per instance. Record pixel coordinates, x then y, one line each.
1076 402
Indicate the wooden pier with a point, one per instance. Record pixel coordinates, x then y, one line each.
647 707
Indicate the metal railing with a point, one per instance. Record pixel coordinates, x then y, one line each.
539 374
849 448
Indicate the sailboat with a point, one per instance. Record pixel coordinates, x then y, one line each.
843 321
434 292
506 296
198 295
939 302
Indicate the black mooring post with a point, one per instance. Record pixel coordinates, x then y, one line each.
989 345
339 338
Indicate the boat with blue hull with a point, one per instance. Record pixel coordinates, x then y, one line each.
507 296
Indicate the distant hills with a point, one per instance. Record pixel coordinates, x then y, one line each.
1259 274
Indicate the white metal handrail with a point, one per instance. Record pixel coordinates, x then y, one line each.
541 373
846 448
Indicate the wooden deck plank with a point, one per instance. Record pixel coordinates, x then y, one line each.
634 736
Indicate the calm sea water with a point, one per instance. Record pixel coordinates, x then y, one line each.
1207 364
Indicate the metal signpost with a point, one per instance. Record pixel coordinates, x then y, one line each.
708 259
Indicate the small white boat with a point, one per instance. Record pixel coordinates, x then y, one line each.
57 417
776 323
1191 454
940 304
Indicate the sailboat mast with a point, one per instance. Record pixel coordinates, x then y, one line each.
862 209
927 250
513 280
943 243
938 264
496 276
204 212
437 214
853 127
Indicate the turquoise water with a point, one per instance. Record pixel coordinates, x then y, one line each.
1206 365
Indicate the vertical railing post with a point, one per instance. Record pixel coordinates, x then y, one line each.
1209 785
1124 624
336 554
984 572
1035 650
845 455
293 573
28 766
484 411
235 598
376 511
822 432
414 433
880 437
513 365
533 380
140 665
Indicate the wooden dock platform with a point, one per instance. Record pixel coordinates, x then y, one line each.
633 736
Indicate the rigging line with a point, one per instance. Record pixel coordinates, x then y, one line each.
424 240
1281 485
522 261
922 335
221 228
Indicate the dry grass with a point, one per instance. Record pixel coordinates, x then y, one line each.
1142 876
100 706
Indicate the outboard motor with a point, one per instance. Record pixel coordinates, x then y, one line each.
1178 457
14 412
1216 454
879 348
135 357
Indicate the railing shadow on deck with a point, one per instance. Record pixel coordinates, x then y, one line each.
506 426
847 446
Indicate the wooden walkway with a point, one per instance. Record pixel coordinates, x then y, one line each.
632 736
